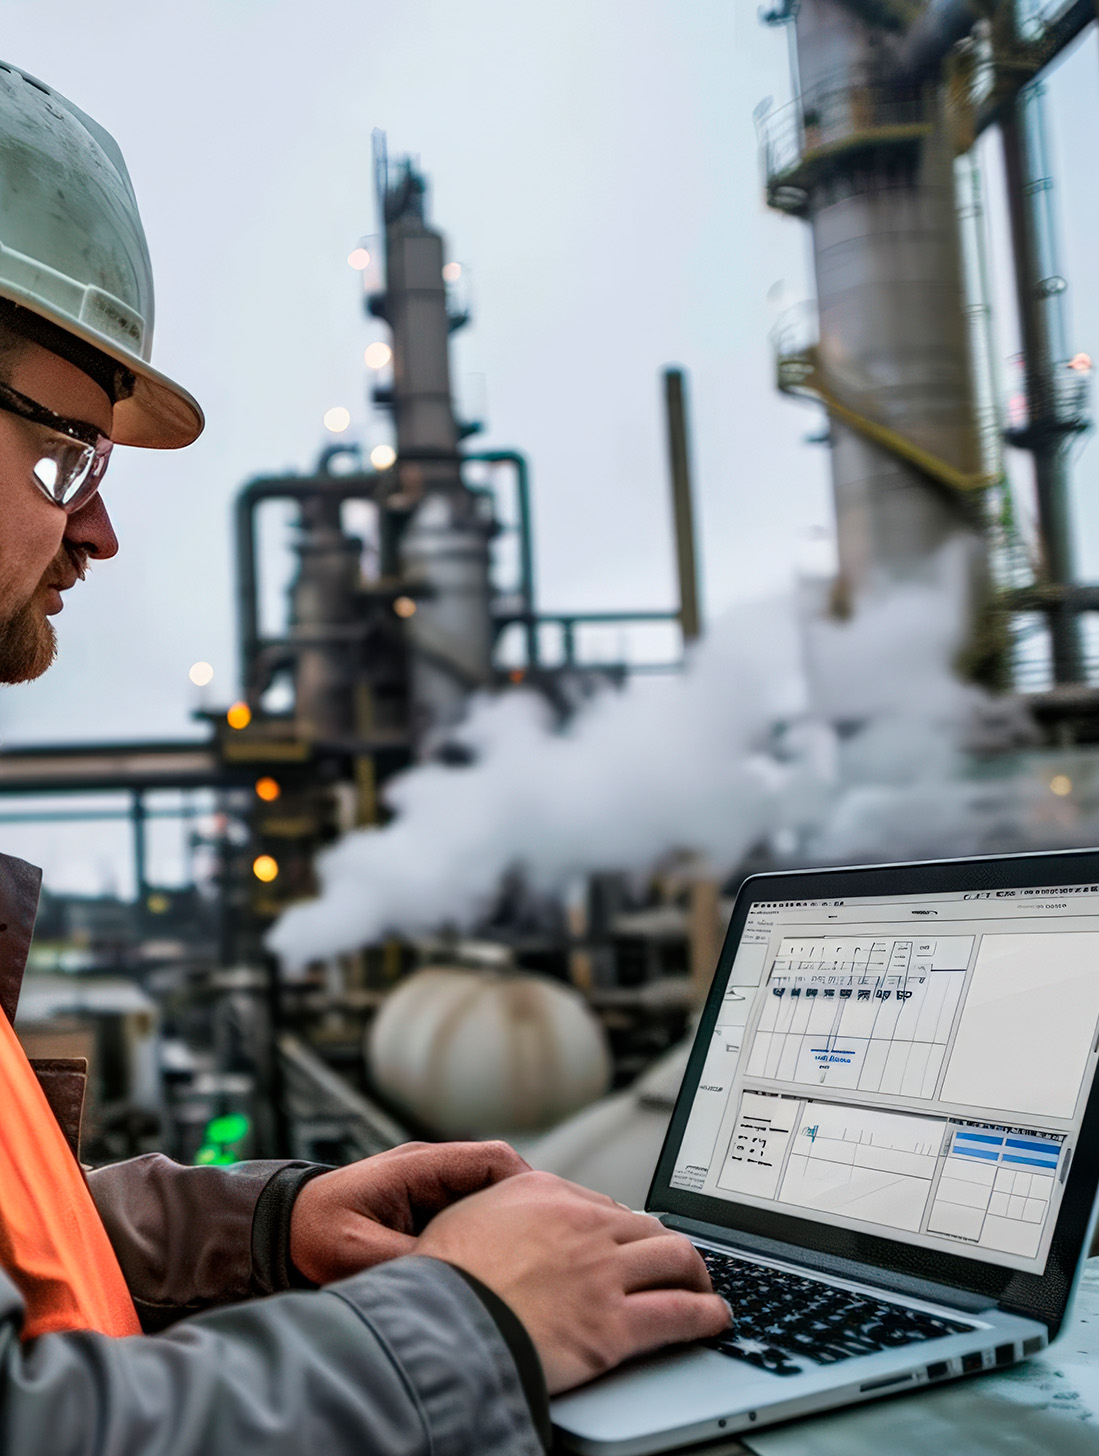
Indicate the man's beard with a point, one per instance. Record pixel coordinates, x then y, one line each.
28 643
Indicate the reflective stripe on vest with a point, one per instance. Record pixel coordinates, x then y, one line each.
53 1244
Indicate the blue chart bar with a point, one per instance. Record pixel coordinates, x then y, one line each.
1026 1152
979 1145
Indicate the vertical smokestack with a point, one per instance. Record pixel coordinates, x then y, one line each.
679 461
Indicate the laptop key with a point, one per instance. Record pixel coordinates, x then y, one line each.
780 1318
754 1352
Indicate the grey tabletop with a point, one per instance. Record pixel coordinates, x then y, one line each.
1047 1406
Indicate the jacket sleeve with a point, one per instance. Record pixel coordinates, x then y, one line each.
188 1238
401 1360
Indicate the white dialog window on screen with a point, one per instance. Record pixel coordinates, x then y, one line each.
1028 1025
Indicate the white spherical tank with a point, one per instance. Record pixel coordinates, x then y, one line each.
474 1053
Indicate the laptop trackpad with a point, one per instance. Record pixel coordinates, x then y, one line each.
667 1391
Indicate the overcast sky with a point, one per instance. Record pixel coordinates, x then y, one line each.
592 164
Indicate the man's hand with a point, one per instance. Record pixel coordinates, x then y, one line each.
373 1210
592 1282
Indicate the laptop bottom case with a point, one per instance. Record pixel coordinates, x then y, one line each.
683 1396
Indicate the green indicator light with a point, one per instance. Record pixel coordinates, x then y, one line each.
216 1156
232 1127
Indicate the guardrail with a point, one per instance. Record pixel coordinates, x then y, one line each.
795 339
796 331
1030 676
1061 399
823 121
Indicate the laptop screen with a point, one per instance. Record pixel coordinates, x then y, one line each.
912 1067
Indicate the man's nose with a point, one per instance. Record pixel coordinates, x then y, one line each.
89 529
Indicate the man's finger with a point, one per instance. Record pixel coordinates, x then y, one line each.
434 1174
632 1227
668 1261
671 1316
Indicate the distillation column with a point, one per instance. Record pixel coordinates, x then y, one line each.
870 167
443 555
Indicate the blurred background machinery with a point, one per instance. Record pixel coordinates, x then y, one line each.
876 154
413 589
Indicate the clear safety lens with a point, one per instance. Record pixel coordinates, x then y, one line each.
69 471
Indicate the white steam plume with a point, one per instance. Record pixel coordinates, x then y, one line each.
855 753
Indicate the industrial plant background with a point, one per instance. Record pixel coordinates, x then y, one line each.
646 442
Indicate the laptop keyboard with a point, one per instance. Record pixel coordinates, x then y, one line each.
780 1319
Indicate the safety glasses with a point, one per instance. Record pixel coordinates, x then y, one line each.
70 456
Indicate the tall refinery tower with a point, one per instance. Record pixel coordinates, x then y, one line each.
888 94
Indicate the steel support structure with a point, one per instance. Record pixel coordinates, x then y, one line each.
1049 429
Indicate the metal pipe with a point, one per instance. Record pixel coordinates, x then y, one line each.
1056 37
1045 436
526 538
675 405
137 817
91 816
590 618
249 498
940 25
568 640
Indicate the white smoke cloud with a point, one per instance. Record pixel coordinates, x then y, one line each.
836 742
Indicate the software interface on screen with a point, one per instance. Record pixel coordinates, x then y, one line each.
915 1068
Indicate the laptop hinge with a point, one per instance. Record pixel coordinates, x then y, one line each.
818 1263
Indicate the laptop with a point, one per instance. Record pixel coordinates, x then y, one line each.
885 1146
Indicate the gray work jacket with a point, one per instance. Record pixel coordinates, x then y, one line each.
399 1360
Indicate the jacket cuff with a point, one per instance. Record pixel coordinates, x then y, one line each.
527 1363
450 1352
182 1235
272 1269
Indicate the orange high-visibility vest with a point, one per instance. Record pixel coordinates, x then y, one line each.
53 1245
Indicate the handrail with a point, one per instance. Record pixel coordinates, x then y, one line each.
800 372
823 120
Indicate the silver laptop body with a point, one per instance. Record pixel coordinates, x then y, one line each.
890 1114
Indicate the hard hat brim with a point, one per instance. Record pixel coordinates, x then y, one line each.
159 415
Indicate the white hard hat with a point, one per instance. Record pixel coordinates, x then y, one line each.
73 253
